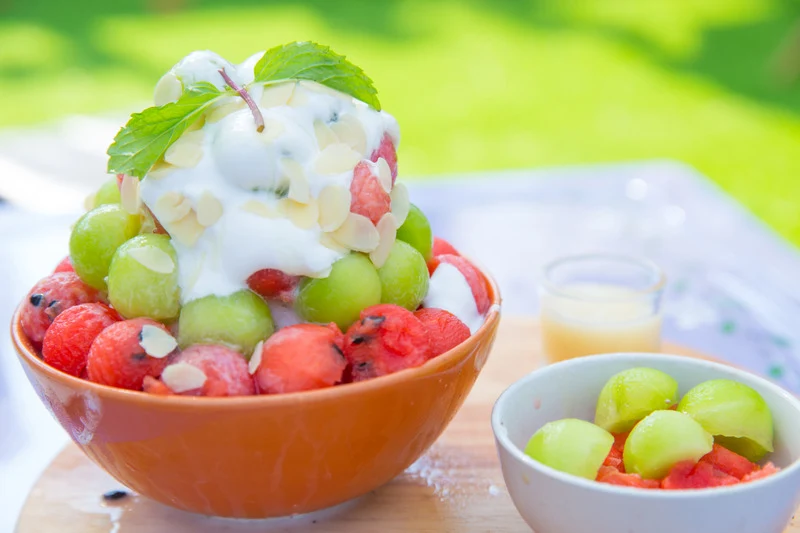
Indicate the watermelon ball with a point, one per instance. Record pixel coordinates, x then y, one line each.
225 371
299 358
445 330
367 196
67 343
64 266
442 247
49 297
387 151
386 339
474 278
125 353
273 284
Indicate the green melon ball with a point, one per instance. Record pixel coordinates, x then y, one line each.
631 395
108 193
95 238
143 278
731 409
352 285
663 439
571 445
240 321
404 277
416 231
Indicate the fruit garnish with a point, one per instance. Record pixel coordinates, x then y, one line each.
144 140
404 277
352 285
631 395
416 231
663 439
95 238
143 278
117 357
388 338
732 410
571 445
239 321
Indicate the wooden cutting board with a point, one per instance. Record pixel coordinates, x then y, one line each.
456 487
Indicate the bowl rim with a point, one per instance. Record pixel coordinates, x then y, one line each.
503 440
446 360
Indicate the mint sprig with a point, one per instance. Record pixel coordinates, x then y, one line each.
148 134
314 62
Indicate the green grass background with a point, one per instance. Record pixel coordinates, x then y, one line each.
475 84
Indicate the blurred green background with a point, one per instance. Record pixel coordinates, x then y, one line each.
475 84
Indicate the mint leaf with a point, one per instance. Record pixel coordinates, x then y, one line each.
147 135
314 62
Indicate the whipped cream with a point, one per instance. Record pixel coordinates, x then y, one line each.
241 185
449 290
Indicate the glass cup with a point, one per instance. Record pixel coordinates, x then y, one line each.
600 303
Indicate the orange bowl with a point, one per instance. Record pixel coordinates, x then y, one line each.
263 456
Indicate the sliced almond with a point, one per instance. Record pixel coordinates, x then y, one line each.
154 259
324 134
182 377
319 88
208 209
349 131
277 95
156 342
129 194
186 230
329 242
357 233
168 89
387 230
260 208
221 111
299 190
159 170
299 97
334 206
272 130
384 174
172 206
255 359
186 151
303 216
196 125
88 202
336 158
400 203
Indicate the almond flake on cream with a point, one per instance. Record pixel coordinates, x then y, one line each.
400 203
357 233
387 229
336 158
209 209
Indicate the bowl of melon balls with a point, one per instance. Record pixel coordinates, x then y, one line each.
254 320
649 443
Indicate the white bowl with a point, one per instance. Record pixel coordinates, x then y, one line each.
554 502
